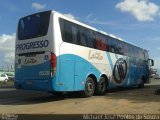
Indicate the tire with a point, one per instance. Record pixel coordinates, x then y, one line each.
102 86
89 88
141 85
5 81
58 94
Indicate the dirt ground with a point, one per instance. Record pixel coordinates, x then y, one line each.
117 101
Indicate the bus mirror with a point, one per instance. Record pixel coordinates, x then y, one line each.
151 62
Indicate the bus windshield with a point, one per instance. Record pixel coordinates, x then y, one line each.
32 26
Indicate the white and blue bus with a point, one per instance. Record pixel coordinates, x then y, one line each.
56 54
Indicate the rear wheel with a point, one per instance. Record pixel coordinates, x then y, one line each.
102 86
58 94
89 88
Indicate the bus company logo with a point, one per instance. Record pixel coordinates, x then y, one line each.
32 45
30 61
120 70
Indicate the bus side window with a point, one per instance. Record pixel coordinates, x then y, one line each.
94 40
130 50
61 21
103 43
116 47
89 38
74 33
100 42
83 39
142 56
111 48
97 42
134 52
68 32
78 42
120 48
106 45
125 48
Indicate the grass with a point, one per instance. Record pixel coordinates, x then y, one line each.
6 84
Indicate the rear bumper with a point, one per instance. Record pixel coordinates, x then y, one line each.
39 85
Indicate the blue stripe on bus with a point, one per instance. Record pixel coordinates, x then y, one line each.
71 74
110 60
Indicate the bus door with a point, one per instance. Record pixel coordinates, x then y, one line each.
66 69
78 75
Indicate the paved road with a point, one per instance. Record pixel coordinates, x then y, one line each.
132 100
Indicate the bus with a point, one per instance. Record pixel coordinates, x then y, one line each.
56 54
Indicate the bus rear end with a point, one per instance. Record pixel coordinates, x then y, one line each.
35 60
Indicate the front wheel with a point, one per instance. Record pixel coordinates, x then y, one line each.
141 85
89 88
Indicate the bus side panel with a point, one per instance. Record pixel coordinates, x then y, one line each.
83 69
131 75
74 67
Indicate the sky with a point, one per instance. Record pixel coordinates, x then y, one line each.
135 21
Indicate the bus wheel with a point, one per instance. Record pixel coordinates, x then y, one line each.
58 94
141 85
102 86
89 88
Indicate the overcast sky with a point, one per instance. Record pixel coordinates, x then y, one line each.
136 21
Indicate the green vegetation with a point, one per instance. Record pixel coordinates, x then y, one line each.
6 84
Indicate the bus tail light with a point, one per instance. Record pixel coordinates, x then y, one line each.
53 64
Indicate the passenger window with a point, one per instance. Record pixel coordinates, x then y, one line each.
61 21
120 48
83 39
94 40
68 32
125 49
90 42
74 33
101 42
111 46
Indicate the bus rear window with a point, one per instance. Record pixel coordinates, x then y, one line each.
32 26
